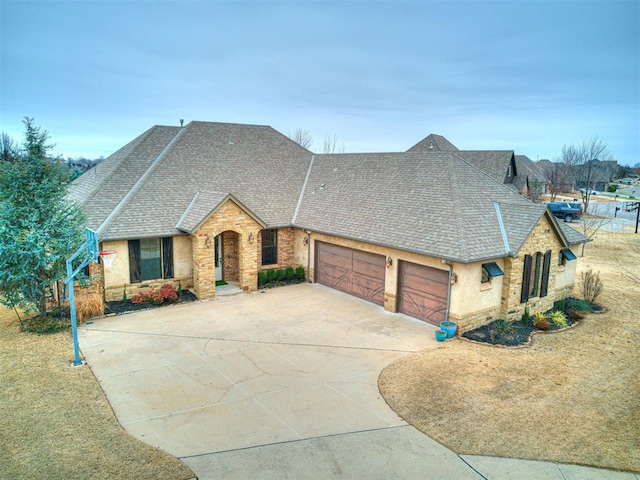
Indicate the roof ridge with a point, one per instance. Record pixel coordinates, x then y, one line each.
136 187
107 177
303 189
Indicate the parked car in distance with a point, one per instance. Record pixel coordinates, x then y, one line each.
578 206
565 210
627 181
590 191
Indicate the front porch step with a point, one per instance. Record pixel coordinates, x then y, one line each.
228 289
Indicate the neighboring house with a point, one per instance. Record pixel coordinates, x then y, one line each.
423 233
529 176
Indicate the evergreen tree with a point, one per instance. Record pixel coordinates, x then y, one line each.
39 226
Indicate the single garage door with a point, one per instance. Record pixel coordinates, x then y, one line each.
352 271
422 292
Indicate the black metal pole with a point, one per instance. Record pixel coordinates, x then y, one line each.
637 215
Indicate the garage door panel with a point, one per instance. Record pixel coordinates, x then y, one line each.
352 271
423 292
367 288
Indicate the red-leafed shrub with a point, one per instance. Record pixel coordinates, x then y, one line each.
166 294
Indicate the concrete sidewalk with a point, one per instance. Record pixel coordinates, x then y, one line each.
281 384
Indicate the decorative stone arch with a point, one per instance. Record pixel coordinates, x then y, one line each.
239 230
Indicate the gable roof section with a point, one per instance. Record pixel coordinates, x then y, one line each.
572 235
433 143
396 200
252 162
205 204
494 163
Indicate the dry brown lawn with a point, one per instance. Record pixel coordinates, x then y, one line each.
570 397
56 421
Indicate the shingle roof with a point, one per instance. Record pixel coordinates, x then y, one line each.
433 143
202 206
429 203
255 163
101 190
493 162
170 179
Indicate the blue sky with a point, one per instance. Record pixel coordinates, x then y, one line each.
528 76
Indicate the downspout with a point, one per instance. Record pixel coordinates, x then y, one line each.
308 256
447 262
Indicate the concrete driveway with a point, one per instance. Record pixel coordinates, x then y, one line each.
281 384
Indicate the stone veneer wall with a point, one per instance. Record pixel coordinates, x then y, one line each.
228 218
284 241
542 238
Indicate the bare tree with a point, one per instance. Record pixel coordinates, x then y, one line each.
330 145
592 223
583 163
8 148
556 175
302 137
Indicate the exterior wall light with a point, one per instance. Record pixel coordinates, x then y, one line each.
305 241
251 237
389 262
207 241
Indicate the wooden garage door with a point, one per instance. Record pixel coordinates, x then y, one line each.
422 292
352 271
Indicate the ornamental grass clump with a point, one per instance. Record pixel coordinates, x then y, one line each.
592 286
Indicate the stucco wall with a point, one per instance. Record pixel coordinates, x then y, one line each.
116 277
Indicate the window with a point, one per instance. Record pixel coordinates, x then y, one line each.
150 259
535 276
269 247
490 270
565 255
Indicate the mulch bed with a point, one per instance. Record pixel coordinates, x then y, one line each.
517 334
120 307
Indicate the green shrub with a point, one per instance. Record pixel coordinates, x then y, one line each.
262 278
612 188
300 273
42 324
289 273
525 316
558 318
271 275
280 274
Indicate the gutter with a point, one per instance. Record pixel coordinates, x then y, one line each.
449 289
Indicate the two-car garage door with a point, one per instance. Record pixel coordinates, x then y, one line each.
422 290
352 271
